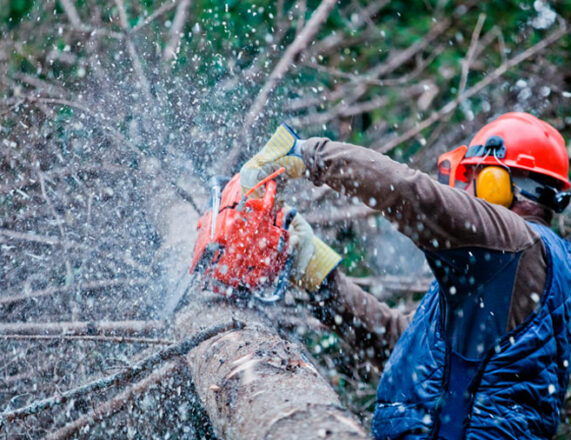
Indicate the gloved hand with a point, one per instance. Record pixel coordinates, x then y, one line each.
282 150
313 260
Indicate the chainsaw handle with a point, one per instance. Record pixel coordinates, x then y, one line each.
283 279
269 196
264 181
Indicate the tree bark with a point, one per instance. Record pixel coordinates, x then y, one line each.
256 385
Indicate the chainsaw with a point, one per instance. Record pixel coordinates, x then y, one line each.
241 248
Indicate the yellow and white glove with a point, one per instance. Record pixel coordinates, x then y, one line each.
282 150
313 260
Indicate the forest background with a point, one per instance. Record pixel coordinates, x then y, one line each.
114 114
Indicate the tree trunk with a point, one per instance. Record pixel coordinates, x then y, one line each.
256 385
253 384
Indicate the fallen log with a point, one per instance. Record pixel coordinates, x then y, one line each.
253 383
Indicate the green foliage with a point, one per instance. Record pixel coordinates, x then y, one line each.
12 11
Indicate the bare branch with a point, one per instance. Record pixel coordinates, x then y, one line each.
298 45
59 221
395 282
42 85
160 11
114 405
179 349
494 33
451 106
122 14
135 59
343 110
71 12
401 57
79 328
470 55
338 215
176 31
116 339
99 284
119 138
29 236
302 6
332 41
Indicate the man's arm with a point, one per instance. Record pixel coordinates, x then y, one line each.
362 320
436 217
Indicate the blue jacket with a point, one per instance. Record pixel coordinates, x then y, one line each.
490 385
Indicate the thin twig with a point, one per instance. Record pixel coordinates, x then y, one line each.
117 339
114 405
120 139
135 59
147 364
29 236
160 11
98 284
301 5
116 134
59 221
332 41
176 31
487 39
451 106
470 54
72 15
299 44
79 327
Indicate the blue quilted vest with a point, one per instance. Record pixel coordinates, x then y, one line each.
456 374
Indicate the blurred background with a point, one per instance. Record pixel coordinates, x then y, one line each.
114 114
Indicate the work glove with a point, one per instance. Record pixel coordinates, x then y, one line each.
313 260
282 150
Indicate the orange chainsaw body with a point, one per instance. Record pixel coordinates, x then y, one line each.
248 248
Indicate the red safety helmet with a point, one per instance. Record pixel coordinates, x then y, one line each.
513 141
528 144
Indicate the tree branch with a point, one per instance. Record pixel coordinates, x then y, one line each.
299 44
160 11
176 31
117 339
72 15
79 327
451 106
470 54
114 405
99 284
179 349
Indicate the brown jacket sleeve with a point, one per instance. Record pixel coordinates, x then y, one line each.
364 322
436 217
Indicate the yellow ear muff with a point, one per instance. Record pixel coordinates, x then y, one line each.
495 186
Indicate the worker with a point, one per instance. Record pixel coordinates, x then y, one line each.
486 353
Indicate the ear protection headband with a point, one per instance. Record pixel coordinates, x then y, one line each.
493 183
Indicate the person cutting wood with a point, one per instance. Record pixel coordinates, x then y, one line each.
486 353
